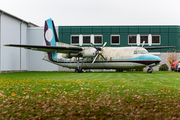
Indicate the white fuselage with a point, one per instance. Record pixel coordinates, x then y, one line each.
117 58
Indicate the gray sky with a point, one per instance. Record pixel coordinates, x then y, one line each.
96 12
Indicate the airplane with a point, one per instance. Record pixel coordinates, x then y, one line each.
79 58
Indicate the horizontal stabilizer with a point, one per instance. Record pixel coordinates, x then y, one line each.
56 49
159 47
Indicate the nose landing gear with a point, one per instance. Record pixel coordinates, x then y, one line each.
149 70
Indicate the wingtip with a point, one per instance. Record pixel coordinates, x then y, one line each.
6 44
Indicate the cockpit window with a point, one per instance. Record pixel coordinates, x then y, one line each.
142 52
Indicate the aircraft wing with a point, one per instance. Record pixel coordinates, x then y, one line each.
159 47
57 49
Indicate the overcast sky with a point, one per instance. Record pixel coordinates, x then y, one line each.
95 12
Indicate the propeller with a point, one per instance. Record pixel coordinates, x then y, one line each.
98 52
143 43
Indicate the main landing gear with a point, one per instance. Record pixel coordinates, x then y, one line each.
79 68
119 70
149 70
78 71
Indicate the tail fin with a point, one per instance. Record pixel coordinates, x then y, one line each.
50 35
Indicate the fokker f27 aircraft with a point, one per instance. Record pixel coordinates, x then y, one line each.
80 58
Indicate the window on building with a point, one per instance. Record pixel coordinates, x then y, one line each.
75 39
144 38
86 39
98 39
115 39
155 39
132 39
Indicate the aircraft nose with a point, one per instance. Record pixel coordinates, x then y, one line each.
152 57
157 58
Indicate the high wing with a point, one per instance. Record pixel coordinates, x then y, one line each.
56 49
159 47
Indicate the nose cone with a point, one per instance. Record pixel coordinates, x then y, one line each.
158 58
150 57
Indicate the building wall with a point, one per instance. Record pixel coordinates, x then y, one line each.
0 40
169 35
15 31
35 62
12 31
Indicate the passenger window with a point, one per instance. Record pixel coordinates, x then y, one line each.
135 52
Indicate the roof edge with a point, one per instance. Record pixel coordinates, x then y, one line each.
29 23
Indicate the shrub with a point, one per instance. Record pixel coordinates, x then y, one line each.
163 67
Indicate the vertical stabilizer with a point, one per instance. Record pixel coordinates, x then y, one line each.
50 35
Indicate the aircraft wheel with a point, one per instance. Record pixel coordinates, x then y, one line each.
81 71
119 70
76 71
149 70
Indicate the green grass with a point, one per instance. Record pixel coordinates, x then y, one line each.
98 95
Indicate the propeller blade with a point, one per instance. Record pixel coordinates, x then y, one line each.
95 58
143 43
93 45
98 52
103 57
104 45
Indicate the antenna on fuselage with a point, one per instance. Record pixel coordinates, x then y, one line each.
143 43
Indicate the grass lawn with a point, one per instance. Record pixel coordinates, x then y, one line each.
98 95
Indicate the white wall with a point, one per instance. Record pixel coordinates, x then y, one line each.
35 62
14 31
10 34
0 41
24 59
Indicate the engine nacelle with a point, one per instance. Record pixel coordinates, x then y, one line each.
89 52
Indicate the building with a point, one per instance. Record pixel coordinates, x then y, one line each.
120 36
17 31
